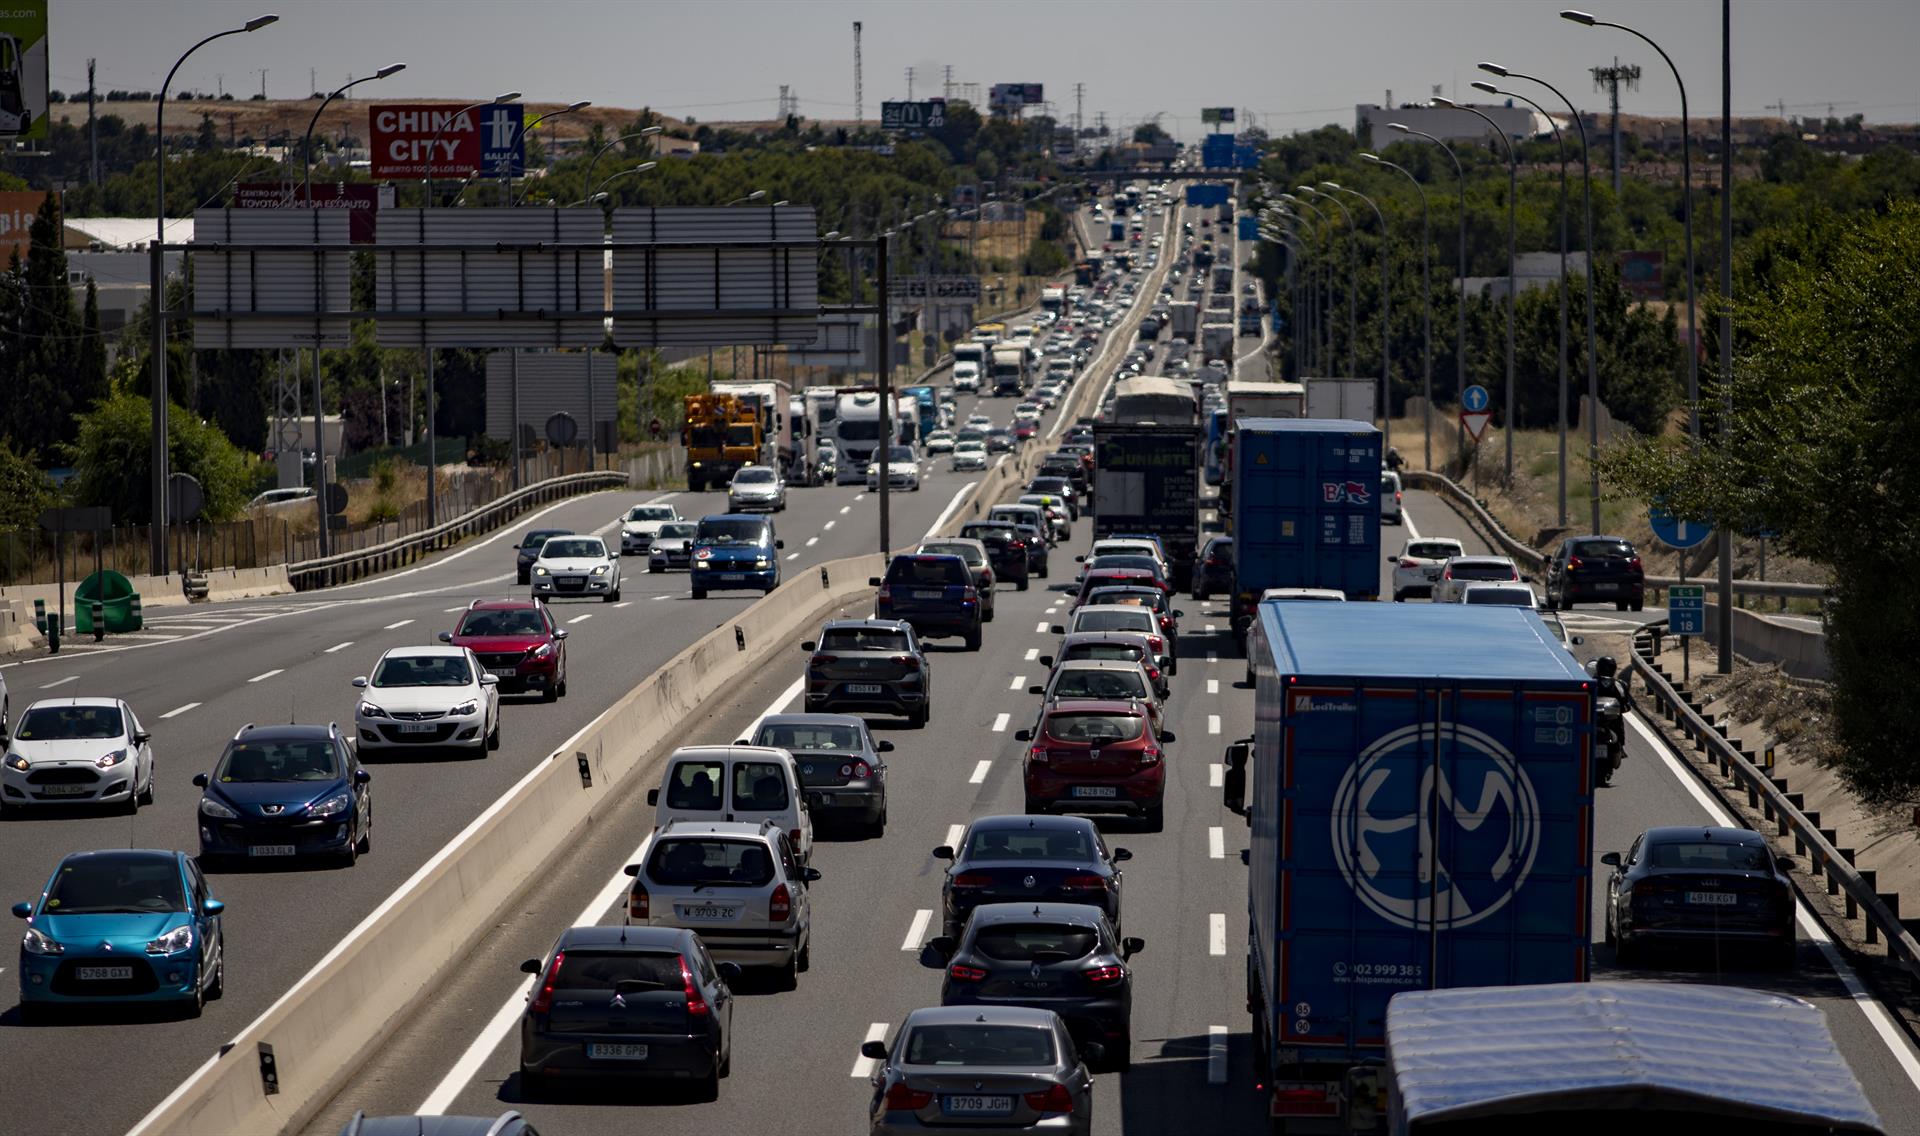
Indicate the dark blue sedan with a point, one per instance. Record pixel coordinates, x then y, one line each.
284 791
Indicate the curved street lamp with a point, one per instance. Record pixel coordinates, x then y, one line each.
434 144
643 167
506 176
1426 298
306 144
1460 328
1513 298
754 196
1386 316
646 132
1325 313
1353 279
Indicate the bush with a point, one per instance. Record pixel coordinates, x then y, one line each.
112 461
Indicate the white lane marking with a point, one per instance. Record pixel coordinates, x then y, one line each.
828 525
845 509
1211 627
1000 723
1216 1055
1216 775
338 647
954 833
1217 934
581 618
60 682
1213 656
1863 999
1406 522
812 540
268 674
917 930
1040 628
621 604
1213 686
793 556
1032 654
396 625
980 771
1018 682
779 705
179 710
859 496
660 597
864 1066
1216 843
959 495
1213 723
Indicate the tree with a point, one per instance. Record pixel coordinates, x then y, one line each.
24 490
43 357
111 460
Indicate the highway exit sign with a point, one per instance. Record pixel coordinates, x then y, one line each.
1687 609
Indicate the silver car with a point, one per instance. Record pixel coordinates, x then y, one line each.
84 751
982 1070
757 487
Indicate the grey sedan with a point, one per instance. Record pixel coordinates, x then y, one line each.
840 767
993 1071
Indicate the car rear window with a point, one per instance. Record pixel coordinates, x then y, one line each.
759 786
979 1044
604 971
1035 942
1094 729
1517 597
710 862
965 552
934 570
1711 856
810 738
1432 550
1029 844
1145 597
695 785
524 621
1114 621
1119 651
1599 548
1124 560
1097 682
1482 570
863 639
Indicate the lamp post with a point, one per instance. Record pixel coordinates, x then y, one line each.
754 196
506 163
1353 280
1513 189
1460 330
434 144
1686 190
1312 358
1326 277
648 132
1291 243
1386 316
157 367
1586 201
1560 143
599 190
1426 305
306 143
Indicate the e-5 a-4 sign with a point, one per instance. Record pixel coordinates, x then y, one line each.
959 289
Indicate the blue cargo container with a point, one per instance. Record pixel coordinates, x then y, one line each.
1306 509
1421 818
929 417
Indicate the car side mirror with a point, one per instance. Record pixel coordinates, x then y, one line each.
653 798
944 852
1023 735
883 747
873 581
1526 579
874 1050
1056 629
199 780
22 910
1391 559
1093 1053
561 633
632 870
1079 560
810 875
445 636
937 952
361 776
730 971
1167 736
1178 614
360 683
531 966
212 907
810 646
1046 661
1120 854
489 680
741 742
1131 947
1611 859
1037 689
1578 640
779 544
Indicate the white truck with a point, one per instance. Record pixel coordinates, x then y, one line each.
1052 299
1342 398
771 397
820 405
855 432
1009 371
1216 341
969 365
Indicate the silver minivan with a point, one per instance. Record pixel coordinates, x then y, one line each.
735 783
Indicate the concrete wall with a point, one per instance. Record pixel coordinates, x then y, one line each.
1800 651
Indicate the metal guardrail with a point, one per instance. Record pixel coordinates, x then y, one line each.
1880 913
1497 535
344 567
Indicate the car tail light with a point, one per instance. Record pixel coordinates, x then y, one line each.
860 769
696 1005
543 1001
972 880
961 972
1155 642
1573 562
1153 673
793 838
902 1098
822 660
1396 496
1084 881
907 661
1633 563
886 594
1409 562
969 594
1056 1098
780 907
639 903
1037 752
1104 975
1149 756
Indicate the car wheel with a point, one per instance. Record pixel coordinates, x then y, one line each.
1042 573
1625 951
1031 806
1120 1050
493 739
1566 602
611 597
1200 595
973 639
986 616
533 1085
1399 597
804 960
699 593
132 807
146 795
654 569
878 827
366 834
1784 955
1639 605
550 692
1619 605
217 988
788 976
521 577
544 599
561 687
707 1088
350 855
32 1015
1021 585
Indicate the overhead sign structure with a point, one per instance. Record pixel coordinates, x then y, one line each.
1475 410
713 275
958 289
1015 96
361 201
490 278
928 115
1216 151
844 341
1687 609
553 385
405 138
1216 115
1676 533
1249 227
1203 194
23 70
268 298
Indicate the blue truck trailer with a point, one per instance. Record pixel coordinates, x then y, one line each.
924 398
1420 807
1306 509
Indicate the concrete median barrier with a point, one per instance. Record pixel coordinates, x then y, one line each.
248 583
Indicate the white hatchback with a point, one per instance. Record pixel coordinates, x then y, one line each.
578 567
1419 564
640 524
426 697
86 751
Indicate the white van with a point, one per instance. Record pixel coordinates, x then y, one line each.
734 783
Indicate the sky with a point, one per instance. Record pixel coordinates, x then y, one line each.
1291 64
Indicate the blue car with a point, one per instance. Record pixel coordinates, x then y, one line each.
284 791
135 925
734 551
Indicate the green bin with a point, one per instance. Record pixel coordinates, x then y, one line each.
116 596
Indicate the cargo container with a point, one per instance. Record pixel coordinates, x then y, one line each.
1421 817
1342 398
1216 341
1146 481
1185 315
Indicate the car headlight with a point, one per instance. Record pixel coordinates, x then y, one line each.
173 942
338 803
109 760
763 562
470 706
369 710
213 808
542 651
36 942
539 571
601 570
15 761
702 565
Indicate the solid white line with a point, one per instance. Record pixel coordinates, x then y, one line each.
825 527
1216 1055
1213 723
1018 682
581 618
660 597
864 1066
1213 686
1211 627
980 771
1032 654
959 495
954 833
397 625
859 496
1040 628
1216 934
1216 775
1000 723
60 682
845 509
268 674
1406 522
1216 843
812 540
338 647
179 710
917 931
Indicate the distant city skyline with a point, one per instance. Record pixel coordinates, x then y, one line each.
1286 66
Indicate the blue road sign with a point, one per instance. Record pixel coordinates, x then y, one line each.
503 140
1687 609
1474 399
1676 533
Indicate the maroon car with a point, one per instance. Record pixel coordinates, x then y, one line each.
518 641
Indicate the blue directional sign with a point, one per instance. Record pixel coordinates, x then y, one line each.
1687 609
503 140
1475 399
1674 532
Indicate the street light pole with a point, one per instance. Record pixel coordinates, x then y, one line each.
1386 319
157 366
1353 281
1513 298
601 152
1326 310
1460 332
1725 620
1426 298
306 143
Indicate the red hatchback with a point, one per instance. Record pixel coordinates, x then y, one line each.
1096 757
518 641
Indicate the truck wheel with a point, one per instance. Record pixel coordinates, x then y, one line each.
1022 584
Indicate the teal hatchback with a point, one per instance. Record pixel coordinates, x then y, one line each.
119 927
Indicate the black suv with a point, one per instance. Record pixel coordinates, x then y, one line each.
936 594
1006 549
1596 569
280 792
868 665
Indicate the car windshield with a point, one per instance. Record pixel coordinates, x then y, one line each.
1520 597
1096 682
810 738
247 762
522 621
710 862
1710 856
108 883
422 670
863 639
1035 942
859 429
1029 844
927 570
1601 548
1432 550
678 531
650 513
966 552
538 538
1108 620
969 446
566 548
714 531
900 454
603 971
753 477
68 723
979 1044
1481 570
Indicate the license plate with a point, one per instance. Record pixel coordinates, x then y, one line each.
976 1105
1096 791
712 912
66 790
1713 898
1605 587
862 688
821 798
270 850
920 594
733 577
416 727
616 1051
103 973
1433 573
503 672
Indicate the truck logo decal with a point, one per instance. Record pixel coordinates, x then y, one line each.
1394 804
1347 492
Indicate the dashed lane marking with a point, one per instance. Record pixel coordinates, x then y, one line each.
863 1066
59 682
1018 682
396 625
1216 1055
179 710
1000 723
917 930
267 675
1213 686
1216 843
980 771
1213 723
581 618
1217 934
1216 775
338 647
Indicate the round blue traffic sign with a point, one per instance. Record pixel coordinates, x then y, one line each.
1676 533
1475 399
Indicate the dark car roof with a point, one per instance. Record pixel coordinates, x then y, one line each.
1077 914
1670 833
1038 822
635 938
288 733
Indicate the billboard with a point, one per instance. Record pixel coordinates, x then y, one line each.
930 114
1643 273
940 289
488 140
1216 115
23 71
301 275
1013 96
1201 195
17 209
362 202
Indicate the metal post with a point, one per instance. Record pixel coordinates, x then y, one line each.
885 339
433 465
157 373
319 454
1513 189
1725 620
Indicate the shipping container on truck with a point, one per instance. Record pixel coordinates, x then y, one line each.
1216 342
1117 231
1052 299
929 412
1420 807
1186 319
1223 278
1305 509
1146 481
1342 398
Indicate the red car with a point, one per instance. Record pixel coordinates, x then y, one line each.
1096 756
1103 576
518 641
1025 429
